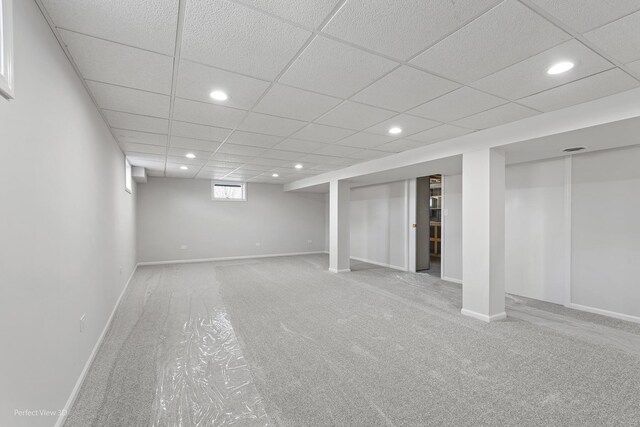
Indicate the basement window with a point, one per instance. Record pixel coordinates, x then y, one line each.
6 49
229 191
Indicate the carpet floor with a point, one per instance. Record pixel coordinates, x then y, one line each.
281 341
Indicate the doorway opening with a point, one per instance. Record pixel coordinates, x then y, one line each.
429 202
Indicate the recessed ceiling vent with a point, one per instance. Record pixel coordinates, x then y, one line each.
573 149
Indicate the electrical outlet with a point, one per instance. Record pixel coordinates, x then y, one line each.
82 321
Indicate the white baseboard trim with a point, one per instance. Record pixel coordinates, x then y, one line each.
230 258
76 388
344 270
483 317
620 316
451 279
381 264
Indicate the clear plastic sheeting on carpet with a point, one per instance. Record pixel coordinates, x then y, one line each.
203 379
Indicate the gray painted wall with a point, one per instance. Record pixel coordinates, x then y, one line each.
536 243
452 228
67 228
378 224
177 220
605 225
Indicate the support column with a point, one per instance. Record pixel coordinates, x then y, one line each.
483 234
339 244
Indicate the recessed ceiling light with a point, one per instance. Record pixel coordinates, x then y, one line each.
184 168
219 95
560 67
275 175
298 166
395 130
190 156
573 149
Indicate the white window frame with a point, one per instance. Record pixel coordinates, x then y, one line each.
128 177
6 49
218 199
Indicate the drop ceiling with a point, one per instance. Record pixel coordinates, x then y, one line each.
320 82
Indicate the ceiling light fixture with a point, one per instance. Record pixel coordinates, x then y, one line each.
219 95
560 67
395 130
298 166
275 175
184 168
573 149
190 156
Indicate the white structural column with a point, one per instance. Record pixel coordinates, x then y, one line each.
483 235
339 244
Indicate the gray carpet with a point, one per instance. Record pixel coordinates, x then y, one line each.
282 341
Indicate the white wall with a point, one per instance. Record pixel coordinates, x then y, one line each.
67 229
452 228
173 213
536 256
379 224
606 230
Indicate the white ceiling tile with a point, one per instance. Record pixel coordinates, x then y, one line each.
337 150
196 82
405 88
270 125
409 125
530 76
295 103
126 136
336 69
237 38
148 24
365 140
254 167
143 148
173 170
584 15
369 154
439 133
299 145
254 139
457 104
148 164
191 130
223 165
634 67
402 28
322 133
400 145
193 144
352 115
282 155
243 150
128 100
267 161
154 172
319 159
128 121
310 13
185 161
496 116
182 152
206 114
506 34
118 64
588 89
620 39
135 158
